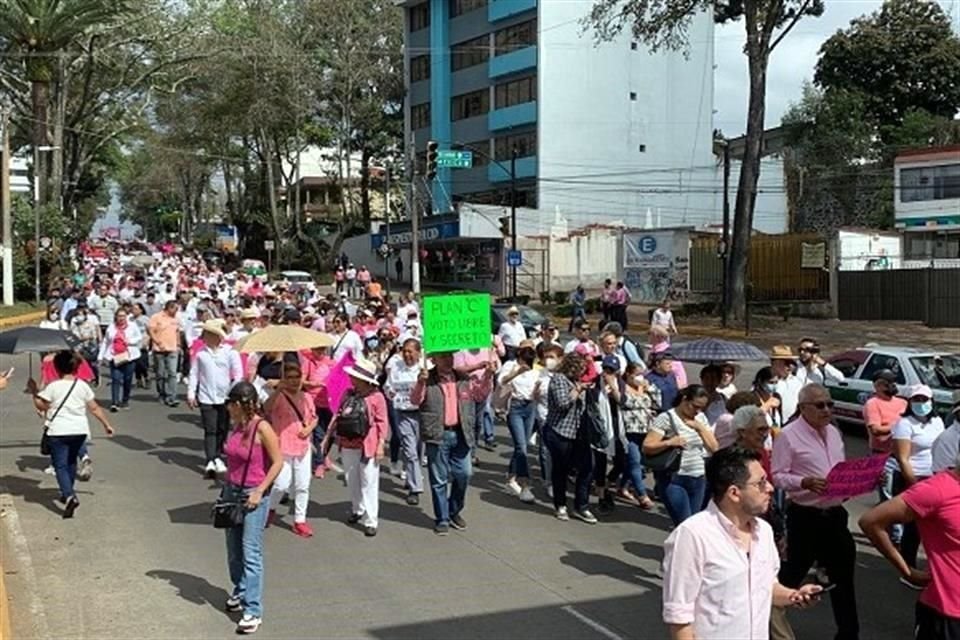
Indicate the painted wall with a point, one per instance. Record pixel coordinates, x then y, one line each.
590 131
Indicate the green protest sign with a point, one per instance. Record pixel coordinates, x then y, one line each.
456 321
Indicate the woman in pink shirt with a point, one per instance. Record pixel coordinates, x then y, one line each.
316 365
362 456
293 416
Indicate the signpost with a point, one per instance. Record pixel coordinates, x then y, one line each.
269 246
455 159
514 258
456 321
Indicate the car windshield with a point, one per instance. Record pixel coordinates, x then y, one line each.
529 316
941 372
297 277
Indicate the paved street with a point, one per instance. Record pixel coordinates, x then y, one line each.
141 559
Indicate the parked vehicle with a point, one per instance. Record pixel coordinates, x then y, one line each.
939 370
531 319
296 281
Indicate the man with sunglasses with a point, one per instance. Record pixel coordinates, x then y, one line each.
803 455
813 368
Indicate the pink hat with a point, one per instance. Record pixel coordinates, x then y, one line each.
920 390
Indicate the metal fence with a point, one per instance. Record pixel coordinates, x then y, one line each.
931 296
776 271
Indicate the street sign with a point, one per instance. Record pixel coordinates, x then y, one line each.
268 245
455 159
514 258
456 321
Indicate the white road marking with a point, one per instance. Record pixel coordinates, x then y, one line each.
593 624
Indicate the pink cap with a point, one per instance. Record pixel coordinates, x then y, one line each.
920 390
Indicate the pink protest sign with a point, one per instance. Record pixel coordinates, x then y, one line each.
852 478
338 381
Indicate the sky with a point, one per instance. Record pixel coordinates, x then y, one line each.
792 63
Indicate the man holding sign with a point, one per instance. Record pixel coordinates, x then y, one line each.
803 455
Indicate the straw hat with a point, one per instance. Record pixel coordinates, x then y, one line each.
215 327
249 314
782 352
364 370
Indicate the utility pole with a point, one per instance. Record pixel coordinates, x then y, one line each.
414 220
386 205
725 255
36 224
513 218
5 205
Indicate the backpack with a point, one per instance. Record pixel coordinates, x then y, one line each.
636 345
592 420
352 420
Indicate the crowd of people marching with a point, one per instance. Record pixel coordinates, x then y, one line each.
596 413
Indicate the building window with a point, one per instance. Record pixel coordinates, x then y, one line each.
516 92
525 143
469 105
419 68
481 152
633 46
470 53
633 96
420 116
516 37
420 16
920 184
458 7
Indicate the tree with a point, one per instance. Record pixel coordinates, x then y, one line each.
903 57
663 24
39 31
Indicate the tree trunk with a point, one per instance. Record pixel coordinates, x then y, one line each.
365 187
271 195
40 95
739 265
56 172
228 186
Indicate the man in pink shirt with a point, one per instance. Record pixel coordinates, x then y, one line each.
712 556
881 412
934 504
474 363
803 455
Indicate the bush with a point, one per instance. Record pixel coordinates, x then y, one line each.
561 297
592 305
564 310
545 297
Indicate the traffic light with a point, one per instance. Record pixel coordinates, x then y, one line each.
432 153
505 226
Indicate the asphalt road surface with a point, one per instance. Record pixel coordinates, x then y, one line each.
141 560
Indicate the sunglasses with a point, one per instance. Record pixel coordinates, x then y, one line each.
820 405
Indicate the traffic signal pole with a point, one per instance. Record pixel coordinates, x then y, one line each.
513 218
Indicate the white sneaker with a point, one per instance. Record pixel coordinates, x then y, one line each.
562 514
403 475
248 624
210 470
423 461
219 467
514 486
85 470
533 439
50 471
527 496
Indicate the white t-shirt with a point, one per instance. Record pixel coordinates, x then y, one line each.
72 418
662 318
544 381
921 436
523 384
944 451
512 334
400 382
349 341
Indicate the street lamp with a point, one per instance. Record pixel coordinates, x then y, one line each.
36 217
512 172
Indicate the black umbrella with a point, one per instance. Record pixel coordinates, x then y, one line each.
35 340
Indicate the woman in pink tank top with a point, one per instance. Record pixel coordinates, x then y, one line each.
253 463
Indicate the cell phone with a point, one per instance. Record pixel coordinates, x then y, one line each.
827 587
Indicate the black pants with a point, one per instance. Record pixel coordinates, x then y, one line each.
565 456
215 423
910 540
822 536
933 625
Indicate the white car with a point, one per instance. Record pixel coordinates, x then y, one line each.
938 370
297 280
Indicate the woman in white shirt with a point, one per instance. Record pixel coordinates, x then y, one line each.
345 339
402 370
53 320
522 378
65 403
121 348
913 438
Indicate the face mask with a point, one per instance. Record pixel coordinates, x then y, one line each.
81 317
770 387
638 380
550 363
922 409
54 316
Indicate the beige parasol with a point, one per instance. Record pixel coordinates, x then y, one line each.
283 337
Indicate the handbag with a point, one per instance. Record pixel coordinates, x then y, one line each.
229 514
45 439
121 358
668 460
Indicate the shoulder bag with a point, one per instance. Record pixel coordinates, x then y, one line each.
668 460
229 514
45 439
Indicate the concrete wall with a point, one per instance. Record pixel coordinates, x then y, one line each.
863 250
590 130
586 257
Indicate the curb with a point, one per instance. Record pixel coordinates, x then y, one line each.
31 604
19 321
4 610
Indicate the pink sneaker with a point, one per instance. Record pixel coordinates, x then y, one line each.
302 529
320 471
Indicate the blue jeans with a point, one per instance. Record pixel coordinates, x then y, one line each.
449 468
484 424
520 422
64 452
245 553
681 495
121 379
165 364
633 474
